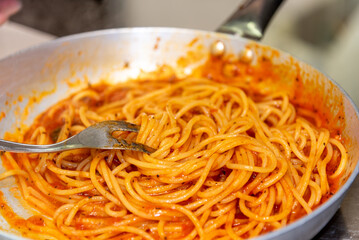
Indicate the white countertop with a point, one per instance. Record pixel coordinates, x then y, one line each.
14 37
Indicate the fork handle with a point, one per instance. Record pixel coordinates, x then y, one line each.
9 146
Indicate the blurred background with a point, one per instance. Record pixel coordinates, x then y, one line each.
323 33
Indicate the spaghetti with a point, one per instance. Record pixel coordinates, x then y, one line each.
228 165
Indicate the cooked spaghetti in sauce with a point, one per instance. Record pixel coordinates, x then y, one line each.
229 164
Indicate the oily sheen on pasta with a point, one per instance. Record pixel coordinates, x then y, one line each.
227 165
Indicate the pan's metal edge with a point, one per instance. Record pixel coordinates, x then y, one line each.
273 234
11 236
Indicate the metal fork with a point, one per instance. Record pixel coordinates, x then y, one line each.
97 136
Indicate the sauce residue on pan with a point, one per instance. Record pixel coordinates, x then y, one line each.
2 115
11 217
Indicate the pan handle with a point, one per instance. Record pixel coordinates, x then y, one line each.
251 18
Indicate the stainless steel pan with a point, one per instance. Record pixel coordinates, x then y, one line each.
52 67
